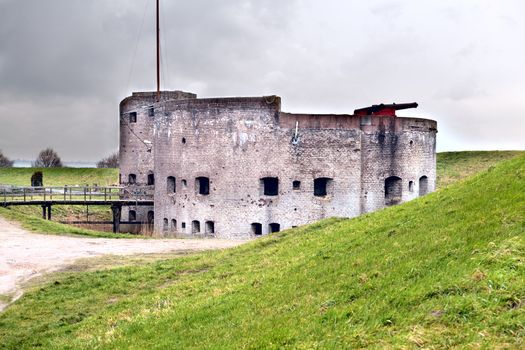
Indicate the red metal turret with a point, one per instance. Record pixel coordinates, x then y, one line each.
383 109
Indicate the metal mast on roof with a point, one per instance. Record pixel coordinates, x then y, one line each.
158 52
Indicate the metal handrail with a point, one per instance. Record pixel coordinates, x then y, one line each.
9 194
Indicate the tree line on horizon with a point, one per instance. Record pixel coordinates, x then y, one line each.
48 158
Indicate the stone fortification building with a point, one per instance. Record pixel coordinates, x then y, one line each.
240 167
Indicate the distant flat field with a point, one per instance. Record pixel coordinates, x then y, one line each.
60 176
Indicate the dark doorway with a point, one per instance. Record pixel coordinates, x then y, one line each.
256 229
393 190
151 217
170 185
151 179
423 185
195 226
274 227
210 228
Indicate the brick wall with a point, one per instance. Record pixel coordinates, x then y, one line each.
237 141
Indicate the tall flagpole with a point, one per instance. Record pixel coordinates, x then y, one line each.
158 53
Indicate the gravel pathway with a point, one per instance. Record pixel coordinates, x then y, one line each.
24 255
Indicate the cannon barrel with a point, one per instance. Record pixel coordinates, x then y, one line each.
384 109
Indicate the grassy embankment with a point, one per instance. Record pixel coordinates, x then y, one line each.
442 271
455 166
30 216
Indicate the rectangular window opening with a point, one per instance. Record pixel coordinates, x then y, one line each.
202 185
321 186
270 186
256 228
274 227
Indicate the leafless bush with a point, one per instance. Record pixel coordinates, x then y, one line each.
4 161
109 162
47 158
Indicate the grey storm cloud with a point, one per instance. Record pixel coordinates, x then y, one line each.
66 64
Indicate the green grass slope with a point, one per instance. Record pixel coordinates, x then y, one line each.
35 224
443 271
455 166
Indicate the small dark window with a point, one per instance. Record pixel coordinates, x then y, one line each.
270 186
423 185
296 185
151 112
132 179
256 229
173 225
274 227
133 117
132 215
202 185
151 179
195 226
210 227
183 225
411 186
165 224
184 183
411 142
321 186
393 190
170 185
183 140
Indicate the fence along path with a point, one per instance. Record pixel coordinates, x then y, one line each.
115 196
11 195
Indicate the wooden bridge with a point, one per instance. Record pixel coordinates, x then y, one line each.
46 197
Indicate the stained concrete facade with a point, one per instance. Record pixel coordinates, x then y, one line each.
240 167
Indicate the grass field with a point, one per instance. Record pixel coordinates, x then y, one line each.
30 216
456 166
60 176
443 271
36 224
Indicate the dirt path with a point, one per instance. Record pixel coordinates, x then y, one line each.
24 255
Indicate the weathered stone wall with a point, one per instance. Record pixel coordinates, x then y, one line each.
136 141
237 141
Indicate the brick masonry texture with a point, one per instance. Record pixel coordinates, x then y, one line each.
367 162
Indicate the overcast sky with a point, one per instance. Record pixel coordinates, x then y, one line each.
66 64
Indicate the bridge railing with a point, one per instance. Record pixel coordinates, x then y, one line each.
13 194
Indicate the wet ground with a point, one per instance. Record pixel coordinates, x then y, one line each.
24 255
